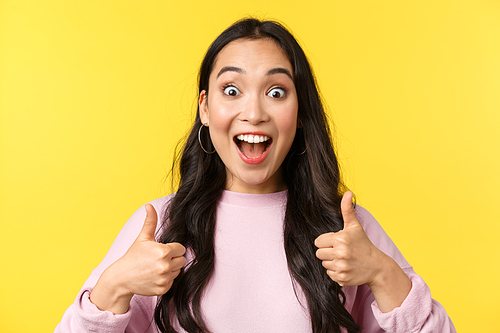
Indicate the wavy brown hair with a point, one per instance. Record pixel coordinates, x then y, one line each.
313 204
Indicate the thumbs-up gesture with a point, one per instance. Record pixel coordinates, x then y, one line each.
148 268
350 258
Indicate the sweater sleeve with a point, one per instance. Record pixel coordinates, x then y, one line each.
418 312
83 316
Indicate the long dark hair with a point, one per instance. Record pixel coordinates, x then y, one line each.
313 204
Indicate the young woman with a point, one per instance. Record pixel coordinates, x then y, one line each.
261 235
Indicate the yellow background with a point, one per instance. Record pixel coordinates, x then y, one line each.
95 94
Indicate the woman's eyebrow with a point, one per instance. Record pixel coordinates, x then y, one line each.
230 69
279 70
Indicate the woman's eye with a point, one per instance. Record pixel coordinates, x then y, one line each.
231 91
276 93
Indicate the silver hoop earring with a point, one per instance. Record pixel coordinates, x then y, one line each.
199 140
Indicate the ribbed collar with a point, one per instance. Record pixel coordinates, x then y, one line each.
254 200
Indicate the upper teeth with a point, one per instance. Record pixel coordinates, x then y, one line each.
252 138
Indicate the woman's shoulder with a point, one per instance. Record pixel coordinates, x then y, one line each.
160 205
369 223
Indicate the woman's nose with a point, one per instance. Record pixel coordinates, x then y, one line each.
254 111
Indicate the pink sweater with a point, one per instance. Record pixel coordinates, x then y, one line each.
251 289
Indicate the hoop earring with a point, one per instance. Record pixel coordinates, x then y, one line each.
302 152
199 140
299 132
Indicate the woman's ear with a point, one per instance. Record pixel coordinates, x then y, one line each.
203 107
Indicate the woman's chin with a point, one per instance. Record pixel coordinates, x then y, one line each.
255 184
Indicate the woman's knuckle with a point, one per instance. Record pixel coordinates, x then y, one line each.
342 277
342 266
162 282
342 253
183 261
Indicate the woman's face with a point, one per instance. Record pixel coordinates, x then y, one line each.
251 110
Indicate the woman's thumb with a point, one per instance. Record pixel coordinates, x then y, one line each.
348 210
149 227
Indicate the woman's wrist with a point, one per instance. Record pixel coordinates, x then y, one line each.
109 295
390 286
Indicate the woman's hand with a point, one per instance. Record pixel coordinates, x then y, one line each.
148 268
349 256
351 259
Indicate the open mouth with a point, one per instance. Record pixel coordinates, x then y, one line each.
252 146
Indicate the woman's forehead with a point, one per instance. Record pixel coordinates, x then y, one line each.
250 54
